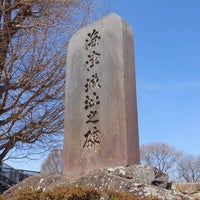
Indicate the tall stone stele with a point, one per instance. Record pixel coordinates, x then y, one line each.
101 126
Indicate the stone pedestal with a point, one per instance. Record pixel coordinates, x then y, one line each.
101 126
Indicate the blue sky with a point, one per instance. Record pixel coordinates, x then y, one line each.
167 61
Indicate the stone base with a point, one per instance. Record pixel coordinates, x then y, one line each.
192 189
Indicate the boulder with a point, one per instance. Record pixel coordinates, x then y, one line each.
187 188
142 174
43 181
139 180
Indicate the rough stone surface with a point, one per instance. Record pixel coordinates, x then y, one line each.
44 181
101 127
142 174
118 179
187 188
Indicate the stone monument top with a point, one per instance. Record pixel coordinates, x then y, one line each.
101 126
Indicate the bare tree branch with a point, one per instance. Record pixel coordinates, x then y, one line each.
34 36
188 168
159 155
53 162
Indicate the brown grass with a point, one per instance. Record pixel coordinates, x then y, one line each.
75 193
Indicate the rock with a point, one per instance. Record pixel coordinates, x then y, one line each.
44 181
142 174
161 179
137 179
104 179
191 189
187 188
196 196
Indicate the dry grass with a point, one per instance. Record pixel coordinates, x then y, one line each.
75 193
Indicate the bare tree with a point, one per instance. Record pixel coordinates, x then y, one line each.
33 39
159 155
53 163
188 168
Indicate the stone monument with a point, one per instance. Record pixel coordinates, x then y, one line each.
101 126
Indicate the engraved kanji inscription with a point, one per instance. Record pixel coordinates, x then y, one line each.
91 100
93 39
92 60
92 138
92 82
91 117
